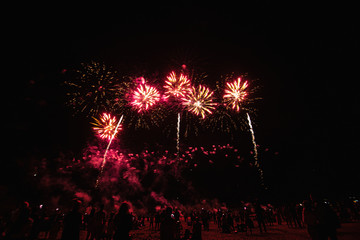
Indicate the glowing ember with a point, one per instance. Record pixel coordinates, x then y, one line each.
177 86
105 127
235 94
144 97
200 101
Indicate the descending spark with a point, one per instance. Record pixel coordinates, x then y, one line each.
144 97
235 94
177 86
255 149
253 140
106 151
178 135
200 101
105 126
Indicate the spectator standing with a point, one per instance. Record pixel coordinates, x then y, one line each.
123 223
72 223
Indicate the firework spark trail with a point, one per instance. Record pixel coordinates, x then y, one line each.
106 151
178 136
255 149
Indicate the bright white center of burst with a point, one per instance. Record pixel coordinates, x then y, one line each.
197 104
237 95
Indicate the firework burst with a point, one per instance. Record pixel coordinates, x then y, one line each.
177 87
144 97
235 94
236 97
200 101
106 127
92 89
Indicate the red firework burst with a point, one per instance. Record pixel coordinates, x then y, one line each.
144 97
200 101
177 87
105 127
235 94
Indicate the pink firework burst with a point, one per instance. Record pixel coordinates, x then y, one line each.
177 87
235 94
200 101
144 97
105 127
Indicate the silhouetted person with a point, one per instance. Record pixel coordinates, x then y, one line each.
123 223
90 224
21 225
278 215
110 227
205 219
37 222
168 225
98 223
219 219
177 215
248 222
328 221
260 217
72 223
157 220
230 222
196 230
55 225
295 218
311 221
151 219
287 215
186 235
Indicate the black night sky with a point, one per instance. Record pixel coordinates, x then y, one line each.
304 57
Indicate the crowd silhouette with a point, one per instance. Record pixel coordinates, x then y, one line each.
320 218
